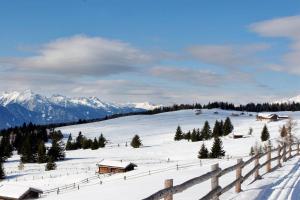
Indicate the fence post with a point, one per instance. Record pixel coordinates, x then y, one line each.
290 150
168 184
256 175
238 187
284 153
268 166
298 149
215 180
279 157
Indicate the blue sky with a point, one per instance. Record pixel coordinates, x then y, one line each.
158 51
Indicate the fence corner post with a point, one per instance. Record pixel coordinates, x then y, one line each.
268 166
168 184
238 187
298 149
215 180
279 157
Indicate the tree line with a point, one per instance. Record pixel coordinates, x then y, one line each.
220 129
29 142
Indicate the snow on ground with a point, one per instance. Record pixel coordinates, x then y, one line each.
281 184
157 160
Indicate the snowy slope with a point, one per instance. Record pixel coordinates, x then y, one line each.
160 155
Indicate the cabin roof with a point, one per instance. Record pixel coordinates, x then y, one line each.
16 191
113 163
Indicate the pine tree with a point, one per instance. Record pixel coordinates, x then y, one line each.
217 131
227 127
79 140
187 136
265 134
206 131
102 141
27 154
194 136
95 144
178 134
41 154
56 152
217 148
203 153
136 142
69 145
2 173
51 165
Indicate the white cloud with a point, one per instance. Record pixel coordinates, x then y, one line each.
287 27
227 55
82 55
197 76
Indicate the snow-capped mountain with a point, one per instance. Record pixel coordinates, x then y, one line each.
27 106
295 99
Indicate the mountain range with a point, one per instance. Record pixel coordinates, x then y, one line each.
27 106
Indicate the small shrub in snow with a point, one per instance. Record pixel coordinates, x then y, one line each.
50 165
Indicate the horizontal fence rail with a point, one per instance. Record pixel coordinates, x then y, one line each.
284 153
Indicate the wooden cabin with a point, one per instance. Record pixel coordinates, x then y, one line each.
18 192
108 167
270 117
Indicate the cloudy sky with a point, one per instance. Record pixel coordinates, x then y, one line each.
164 52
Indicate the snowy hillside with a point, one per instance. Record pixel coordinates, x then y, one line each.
19 107
157 159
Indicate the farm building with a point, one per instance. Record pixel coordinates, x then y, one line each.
108 166
270 117
17 192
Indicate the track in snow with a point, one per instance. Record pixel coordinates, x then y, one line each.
287 187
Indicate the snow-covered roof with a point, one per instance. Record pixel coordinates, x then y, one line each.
266 115
113 163
15 191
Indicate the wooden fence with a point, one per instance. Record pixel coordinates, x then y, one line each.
283 154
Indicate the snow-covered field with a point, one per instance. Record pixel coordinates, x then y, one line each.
157 160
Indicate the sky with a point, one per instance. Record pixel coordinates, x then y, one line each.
160 51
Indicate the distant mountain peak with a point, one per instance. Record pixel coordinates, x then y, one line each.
27 106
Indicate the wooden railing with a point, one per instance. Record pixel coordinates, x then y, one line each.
283 154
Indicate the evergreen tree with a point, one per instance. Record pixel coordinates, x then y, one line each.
79 140
27 154
2 173
217 131
41 154
227 127
136 142
95 144
194 136
69 145
217 148
203 153
206 131
56 152
265 134
51 165
87 143
6 148
187 136
102 141
178 134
